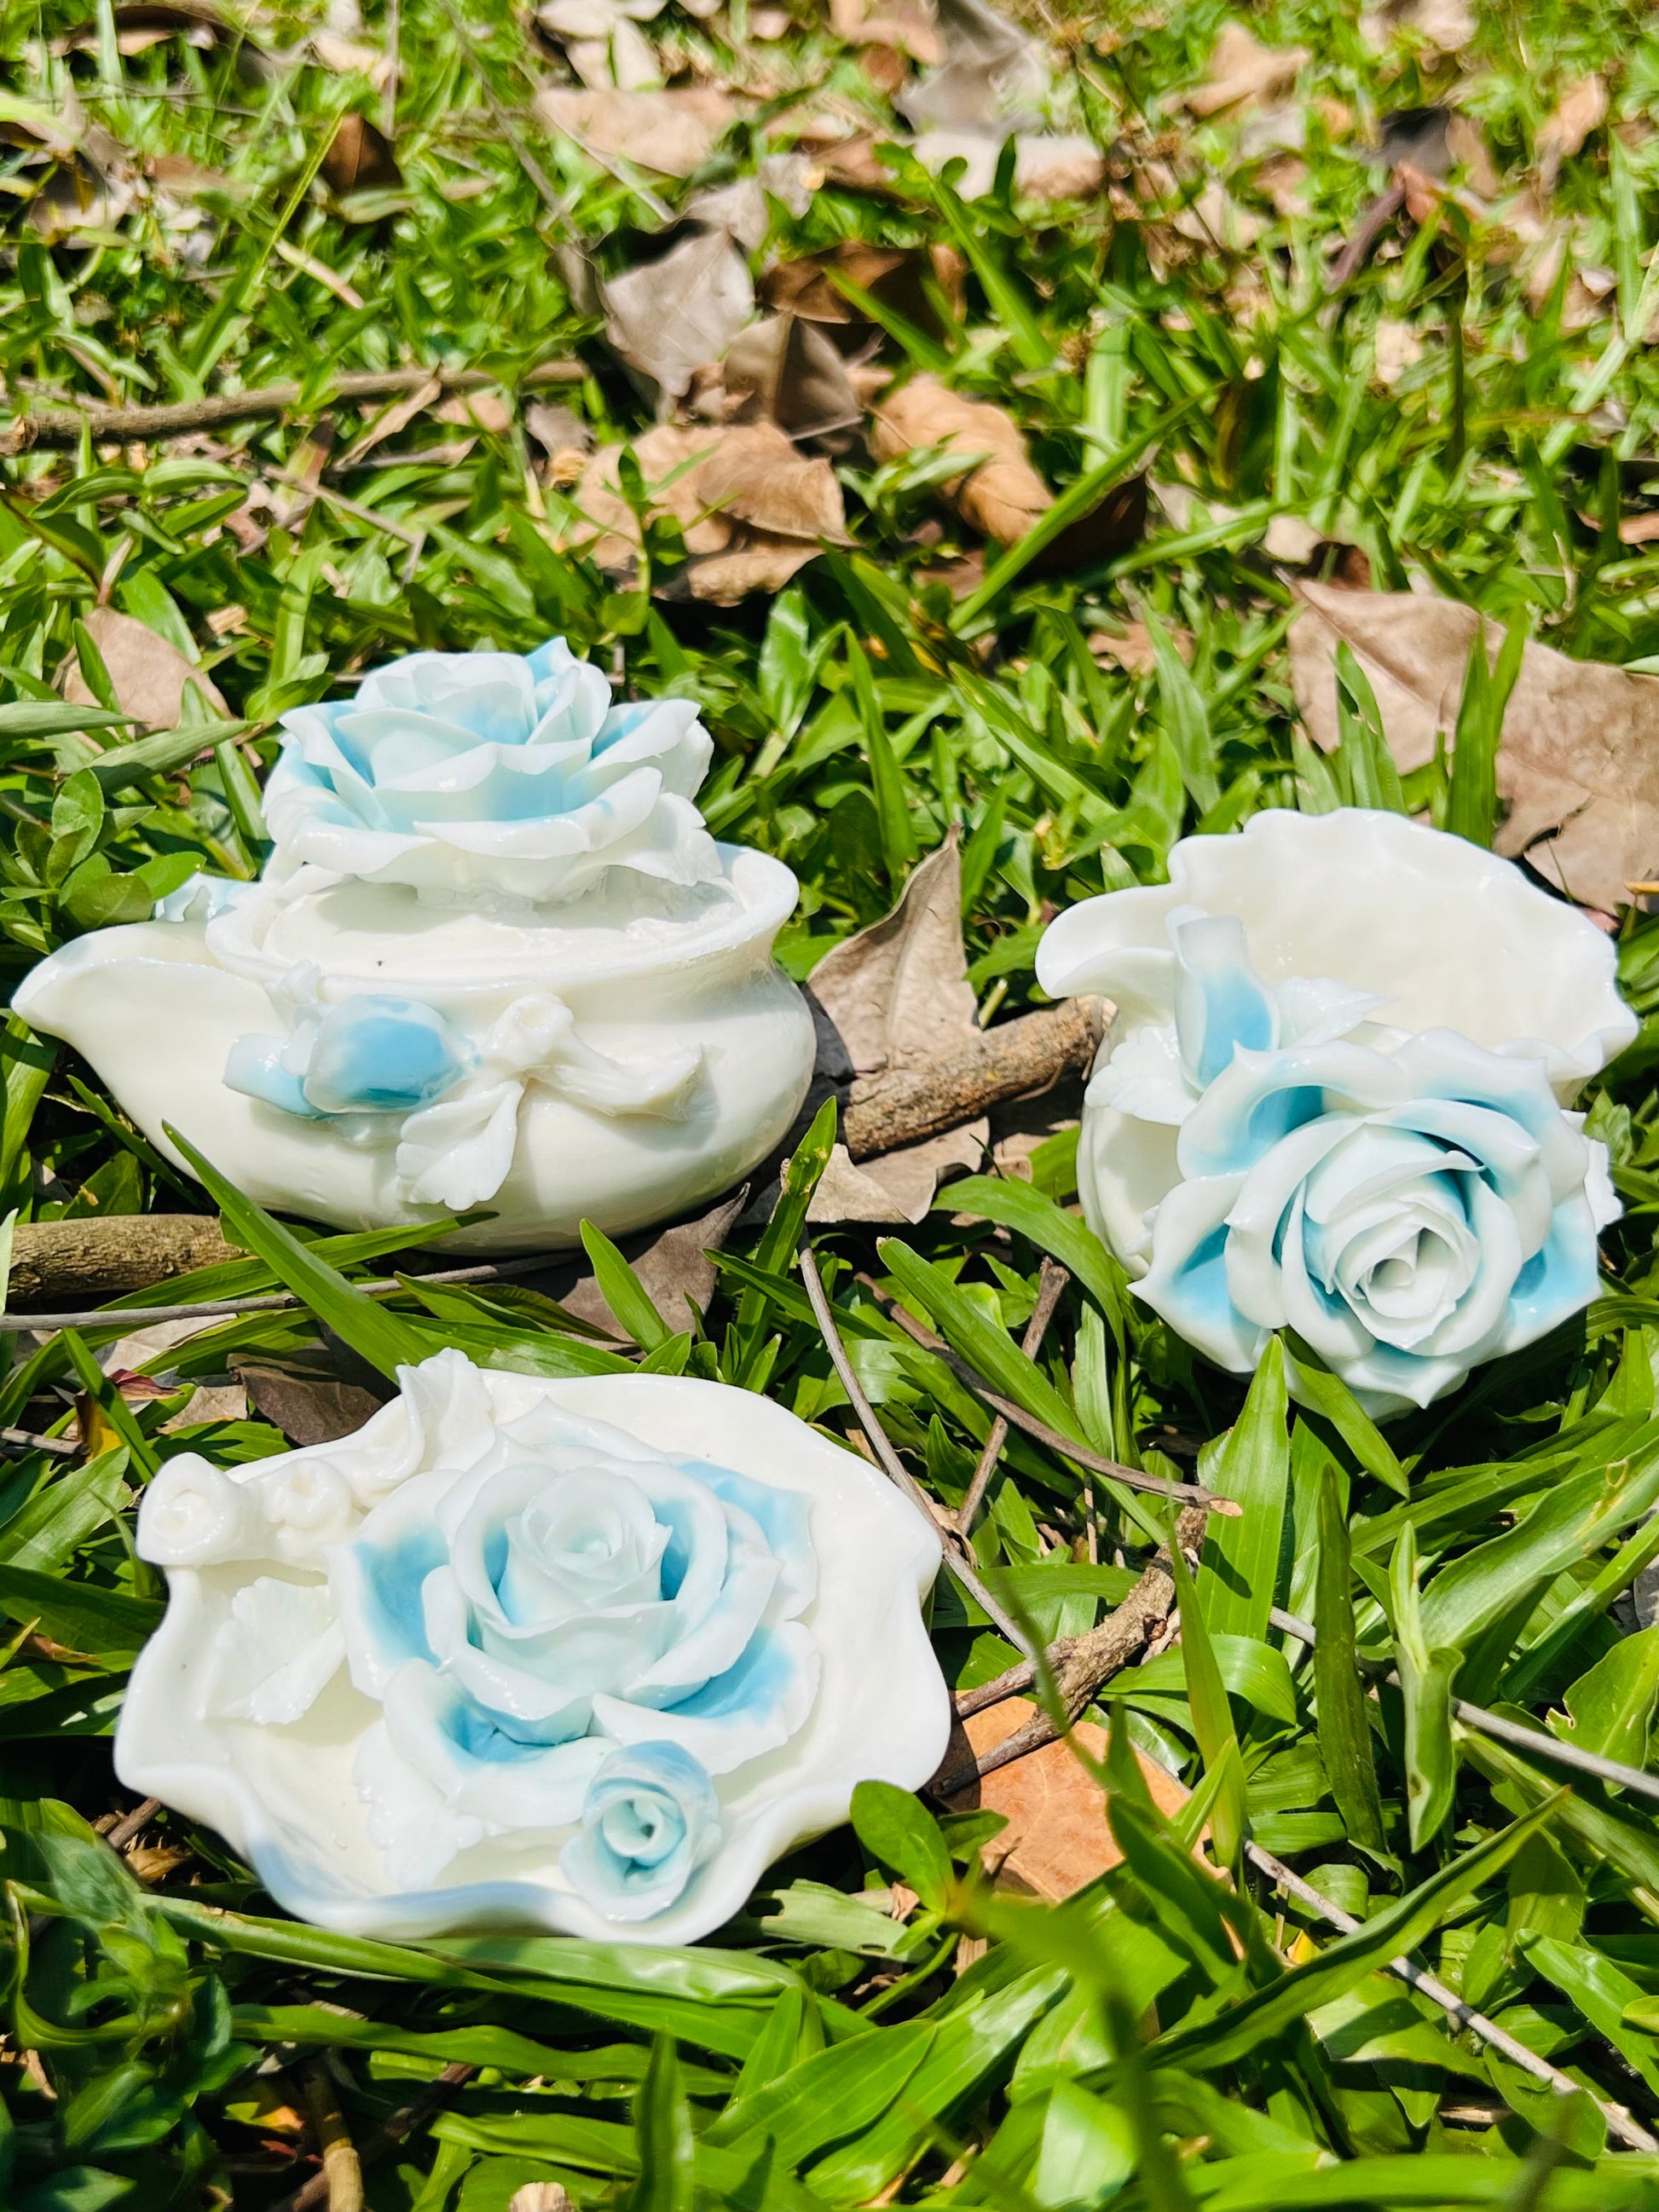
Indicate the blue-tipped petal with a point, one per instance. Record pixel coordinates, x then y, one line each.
1220 1002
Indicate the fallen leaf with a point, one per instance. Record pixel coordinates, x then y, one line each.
1578 768
1046 165
907 26
391 420
1447 25
787 370
897 995
906 280
1001 495
149 674
662 455
670 132
756 474
1057 1838
313 1396
666 317
342 56
1131 650
1243 72
673 1265
755 561
992 74
477 411
1582 108
360 159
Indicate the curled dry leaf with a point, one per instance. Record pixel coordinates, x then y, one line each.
669 317
1447 25
1578 768
342 56
897 995
612 536
149 674
1243 73
1000 495
670 132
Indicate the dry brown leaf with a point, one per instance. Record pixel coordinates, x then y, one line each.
993 77
756 475
755 561
1578 768
1447 25
907 26
898 277
1003 494
359 160
477 411
343 55
669 132
673 1267
897 995
388 423
667 317
313 1395
1132 649
1057 1838
1242 71
1582 108
149 674
662 455
787 371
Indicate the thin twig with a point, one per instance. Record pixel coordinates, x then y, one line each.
63 426
1372 223
1132 1478
891 1465
311 2196
25 1440
1539 1741
132 1824
342 2176
1051 1283
1463 2016
267 1302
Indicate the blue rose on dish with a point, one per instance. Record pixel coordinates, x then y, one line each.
1271 1144
582 1655
562 1595
485 776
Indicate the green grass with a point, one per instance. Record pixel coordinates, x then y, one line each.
1163 2041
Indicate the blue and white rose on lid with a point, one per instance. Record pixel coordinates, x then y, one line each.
496 958
1336 1097
583 1656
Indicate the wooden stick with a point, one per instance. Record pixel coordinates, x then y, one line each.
1052 1281
60 428
342 2176
87 1262
904 1105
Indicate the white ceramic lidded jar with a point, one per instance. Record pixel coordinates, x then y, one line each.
496 961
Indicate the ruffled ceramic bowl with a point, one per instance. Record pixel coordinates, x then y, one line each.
1335 1096
578 1656
496 961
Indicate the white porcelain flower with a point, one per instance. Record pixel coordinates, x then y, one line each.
485 776
1331 1096
583 1656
